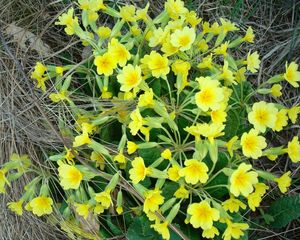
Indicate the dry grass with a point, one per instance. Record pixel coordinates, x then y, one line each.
25 115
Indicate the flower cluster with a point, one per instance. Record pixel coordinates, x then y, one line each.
171 109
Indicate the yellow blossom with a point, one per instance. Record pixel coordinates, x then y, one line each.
192 18
130 77
276 90
211 131
41 205
210 233
162 229
194 171
127 13
181 192
37 74
240 75
206 62
157 38
253 62
202 215
234 230
292 75
131 147
3 180
81 140
16 207
105 64
57 97
263 115
136 123
252 144
93 5
146 99
153 199
104 199
167 46
118 52
98 159
175 8
230 145
281 120
284 182
82 209
158 64
293 113
66 19
59 70
141 14
173 173
70 176
166 154
227 26
183 39
210 95
293 149
218 116
119 210
233 204
242 180
222 50
181 67
249 36
103 32
202 45
98 209
138 171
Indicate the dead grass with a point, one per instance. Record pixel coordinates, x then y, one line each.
25 115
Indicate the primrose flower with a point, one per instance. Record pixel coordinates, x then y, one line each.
166 154
192 18
138 171
284 182
118 52
16 207
98 159
153 199
222 50
227 26
130 77
253 62
252 144
293 149
137 122
175 8
157 38
211 131
210 233
233 204
127 13
194 172
104 199
183 39
292 75
206 62
242 180
249 37
276 90
210 95
37 74
293 113
181 192
105 64
67 19
281 120
158 64
234 230
41 205
162 229
81 140
103 32
70 176
3 180
202 215
82 209
218 116
173 173
131 147
263 115
146 99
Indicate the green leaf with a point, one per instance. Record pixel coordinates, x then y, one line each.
218 192
113 227
149 155
140 229
284 210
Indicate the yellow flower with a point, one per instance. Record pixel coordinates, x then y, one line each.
242 180
104 199
175 8
292 75
253 62
173 173
120 158
119 52
138 171
59 70
98 209
3 180
263 115
153 199
293 113
141 14
105 64
158 64
135 30
234 230
162 229
136 123
127 13
218 116
206 62
230 145
93 5
57 97
41 205
210 95
130 77
70 176
211 131
192 18
293 149
16 207
119 210
103 32
227 75
222 50
37 74
249 37
284 182
227 26
66 19
166 154
233 204
82 210
183 39
131 147
181 192
81 140
202 215
98 159
276 90
252 144
281 120
202 45
254 200
194 171
240 75
210 233
157 38
181 67
167 46
146 99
